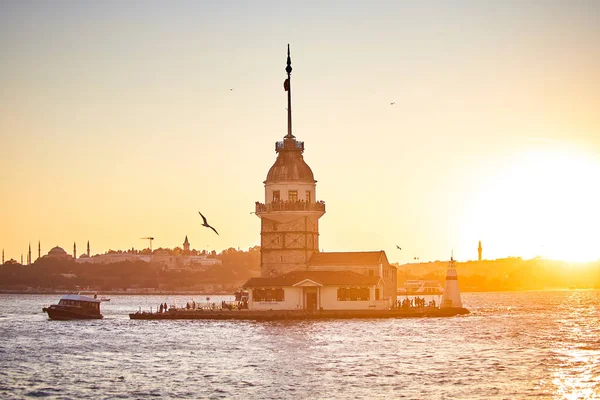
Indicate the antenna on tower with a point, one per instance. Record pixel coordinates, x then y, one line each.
287 85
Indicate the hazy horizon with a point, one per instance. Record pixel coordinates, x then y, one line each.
118 123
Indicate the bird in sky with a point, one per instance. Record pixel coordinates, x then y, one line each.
230 89
392 103
206 223
398 247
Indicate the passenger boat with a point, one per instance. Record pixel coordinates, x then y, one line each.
74 306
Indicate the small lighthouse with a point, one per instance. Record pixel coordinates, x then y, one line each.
451 296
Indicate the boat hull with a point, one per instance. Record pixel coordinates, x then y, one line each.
68 313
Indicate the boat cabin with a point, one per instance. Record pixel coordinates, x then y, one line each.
85 302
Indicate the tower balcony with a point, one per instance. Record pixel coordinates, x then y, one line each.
300 205
289 145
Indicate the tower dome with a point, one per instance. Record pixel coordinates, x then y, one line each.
290 164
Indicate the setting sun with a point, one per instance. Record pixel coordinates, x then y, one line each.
544 202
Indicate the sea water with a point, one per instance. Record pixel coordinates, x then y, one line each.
512 345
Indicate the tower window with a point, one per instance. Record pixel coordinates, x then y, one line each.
293 195
276 196
308 196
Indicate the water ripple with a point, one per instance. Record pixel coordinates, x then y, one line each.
513 345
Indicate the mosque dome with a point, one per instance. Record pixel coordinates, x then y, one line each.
290 164
57 252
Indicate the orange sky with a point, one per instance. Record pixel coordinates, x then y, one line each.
117 123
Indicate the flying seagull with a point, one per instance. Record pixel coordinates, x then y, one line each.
231 89
206 223
392 103
398 247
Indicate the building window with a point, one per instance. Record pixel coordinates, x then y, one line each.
276 196
268 295
308 196
353 294
293 195
376 293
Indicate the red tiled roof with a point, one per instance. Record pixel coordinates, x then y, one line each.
321 277
349 258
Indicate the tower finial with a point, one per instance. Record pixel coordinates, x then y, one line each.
287 85
288 69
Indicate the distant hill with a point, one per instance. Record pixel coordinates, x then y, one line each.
55 274
508 274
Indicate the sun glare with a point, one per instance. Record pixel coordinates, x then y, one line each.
545 202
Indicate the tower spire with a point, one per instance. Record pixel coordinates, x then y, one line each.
287 85
39 249
29 255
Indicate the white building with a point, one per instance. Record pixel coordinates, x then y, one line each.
316 290
169 261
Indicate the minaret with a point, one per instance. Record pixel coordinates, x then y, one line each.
2 256
29 255
88 248
39 250
290 214
186 244
21 258
479 251
74 251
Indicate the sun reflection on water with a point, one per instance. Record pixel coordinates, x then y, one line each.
576 357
